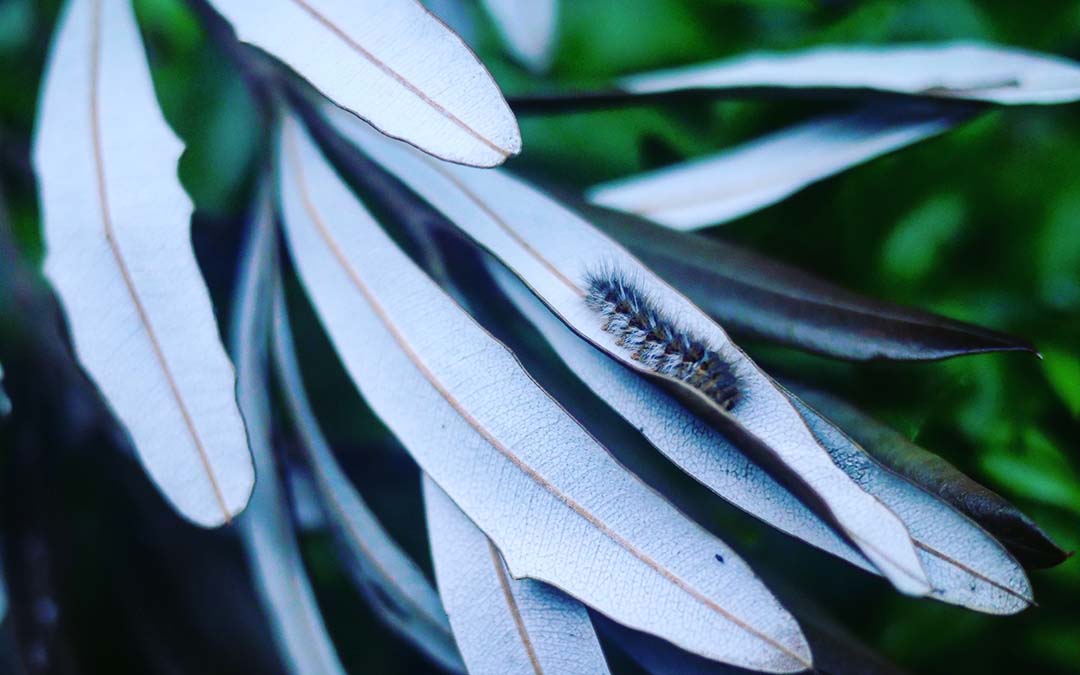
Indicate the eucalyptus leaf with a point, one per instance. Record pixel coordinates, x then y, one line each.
266 527
504 626
392 63
117 233
1019 533
558 506
564 259
956 70
757 297
529 29
724 186
395 586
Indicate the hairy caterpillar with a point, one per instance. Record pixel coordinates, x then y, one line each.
656 342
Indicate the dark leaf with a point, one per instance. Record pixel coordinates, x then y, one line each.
1020 535
747 177
757 297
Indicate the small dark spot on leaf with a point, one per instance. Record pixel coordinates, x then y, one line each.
719 558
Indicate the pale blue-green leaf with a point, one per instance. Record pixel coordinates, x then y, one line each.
835 653
961 560
503 626
732 183
395 586
1032 547
692 444
266 527
965 564
458 15
116 225
556 503
529 29
392 63
555 253
957 70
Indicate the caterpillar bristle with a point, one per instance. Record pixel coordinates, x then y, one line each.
656 342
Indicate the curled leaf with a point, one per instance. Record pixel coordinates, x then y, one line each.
754 296
1020 535
393 583
393 64
504 626
558 506
761 172
116 224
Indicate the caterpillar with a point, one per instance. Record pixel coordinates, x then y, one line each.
656 342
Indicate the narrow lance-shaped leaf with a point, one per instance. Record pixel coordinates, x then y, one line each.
393 64
694 446
395 586
1008 524
504 626
116 228
835 654
959 578
958 70
458 15
556 503
966 565
763 171
575 269
758 297
528 27
266 527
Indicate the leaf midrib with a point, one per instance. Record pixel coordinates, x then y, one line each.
387 70
125 272
421 366
512 605
506 228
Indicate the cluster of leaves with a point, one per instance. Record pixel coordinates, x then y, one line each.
327 229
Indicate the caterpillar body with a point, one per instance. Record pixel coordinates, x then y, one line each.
656 342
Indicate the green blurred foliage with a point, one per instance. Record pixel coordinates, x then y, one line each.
982 224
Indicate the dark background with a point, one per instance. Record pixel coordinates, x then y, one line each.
982 224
